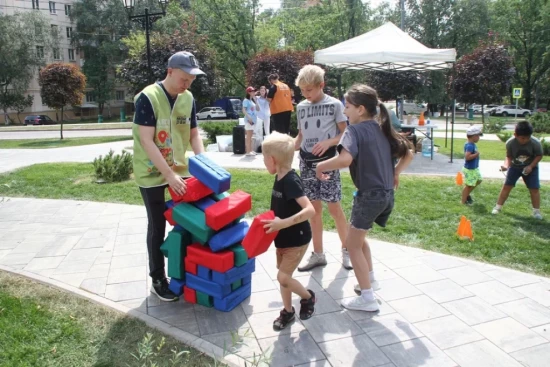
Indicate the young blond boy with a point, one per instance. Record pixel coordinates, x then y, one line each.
292 210
321 120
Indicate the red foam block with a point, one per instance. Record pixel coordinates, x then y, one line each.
168 216
256 241
196 190
189 295
220 261
190 267
227 210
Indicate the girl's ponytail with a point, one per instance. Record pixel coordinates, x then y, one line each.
399 145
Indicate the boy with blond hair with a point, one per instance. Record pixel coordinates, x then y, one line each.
321 120
292 210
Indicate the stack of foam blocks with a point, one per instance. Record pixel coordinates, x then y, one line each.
211 250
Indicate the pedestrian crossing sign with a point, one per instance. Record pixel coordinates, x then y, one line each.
517 92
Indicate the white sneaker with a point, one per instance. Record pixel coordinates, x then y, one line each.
495 211
537 215
346 263
359 304
313 261
374 285
250 154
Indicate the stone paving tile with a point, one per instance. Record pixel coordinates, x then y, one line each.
263 282
389 329
473 310
212 321
12 259
534 357
418 308
444 291
393 289
241 342
441 262
29 247
321 363
103 258
543 330
331 271
44 263
60 248
129 249
331 326
73 267
512 278
509 335
123 275
262 302
465 275
382 272
419 274
454 333
128 261
73 279
400 262
4 253
98 271
324 304
95 285
481 353
494 292
291 349
385 309
526 311
130 239
262 325
417 352
6 244
539 292
91 243
136 304
357 351
125 291
340 288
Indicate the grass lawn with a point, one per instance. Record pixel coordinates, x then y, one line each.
490 149
426 214
57 143
42 326
77 125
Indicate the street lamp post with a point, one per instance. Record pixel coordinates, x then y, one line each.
146 21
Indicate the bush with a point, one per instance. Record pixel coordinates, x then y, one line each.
212 129
113 168
504 136
493 125
293 124
545 146
540 122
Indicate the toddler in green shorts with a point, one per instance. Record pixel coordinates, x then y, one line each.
472 176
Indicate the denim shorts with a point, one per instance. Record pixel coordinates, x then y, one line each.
370 207
531 180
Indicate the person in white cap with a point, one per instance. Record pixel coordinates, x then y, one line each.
472 175
165 123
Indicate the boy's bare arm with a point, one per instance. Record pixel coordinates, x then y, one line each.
298 140
307 212
342 160
469 155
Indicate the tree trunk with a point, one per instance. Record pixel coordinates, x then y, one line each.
18 118
61 123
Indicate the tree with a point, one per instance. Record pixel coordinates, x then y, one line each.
61 84
286 63
20 103
484 76
134 71
391 85
100 25
25 40
523 25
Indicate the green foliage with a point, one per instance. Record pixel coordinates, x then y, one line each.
213 129
21 102
505 135
392 85
293 124
149 353
113 168
540 122
493 125
545 142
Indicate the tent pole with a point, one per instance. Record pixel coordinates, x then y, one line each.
453 114
446 123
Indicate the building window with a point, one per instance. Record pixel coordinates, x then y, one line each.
119 95
35 4
71 54
69 32
56 54
40 52
52 7
67 10
90 97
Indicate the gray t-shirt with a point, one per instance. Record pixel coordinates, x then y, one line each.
319 121
523 155
372 166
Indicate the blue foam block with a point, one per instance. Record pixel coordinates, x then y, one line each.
228 237
204 273
234 274
207 286
178 228
232 300
209 173
247 279
170 204
204 203
176 286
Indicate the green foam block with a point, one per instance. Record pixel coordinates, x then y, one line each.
241 256
175 249
221 196
193 220
236 285
204 299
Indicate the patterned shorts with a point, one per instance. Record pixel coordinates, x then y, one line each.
471 176
328 191
371 207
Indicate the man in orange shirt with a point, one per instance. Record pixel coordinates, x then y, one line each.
280 104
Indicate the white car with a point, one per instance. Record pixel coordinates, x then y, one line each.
210 113
413 108
510 110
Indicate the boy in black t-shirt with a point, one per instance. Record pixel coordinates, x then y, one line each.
292 210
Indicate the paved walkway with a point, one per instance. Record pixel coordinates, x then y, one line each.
436 310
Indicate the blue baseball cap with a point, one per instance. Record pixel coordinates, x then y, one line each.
185 61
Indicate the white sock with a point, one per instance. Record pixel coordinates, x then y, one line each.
498 207
318 253
535 210
371 276
367 294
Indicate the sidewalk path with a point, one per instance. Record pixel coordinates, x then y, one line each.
436 310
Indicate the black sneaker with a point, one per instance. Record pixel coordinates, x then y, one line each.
285 318
469 200
160 288
307 306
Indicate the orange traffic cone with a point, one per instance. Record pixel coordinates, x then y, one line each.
459 179
464 231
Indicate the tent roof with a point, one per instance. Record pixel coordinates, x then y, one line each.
386 48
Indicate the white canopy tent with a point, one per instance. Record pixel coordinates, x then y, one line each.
386 48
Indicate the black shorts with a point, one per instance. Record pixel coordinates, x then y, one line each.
371 207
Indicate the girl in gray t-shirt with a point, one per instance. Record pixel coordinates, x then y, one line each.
368 147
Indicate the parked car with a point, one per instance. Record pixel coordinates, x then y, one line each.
510 110
486 108
38 120
210 113
231 105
